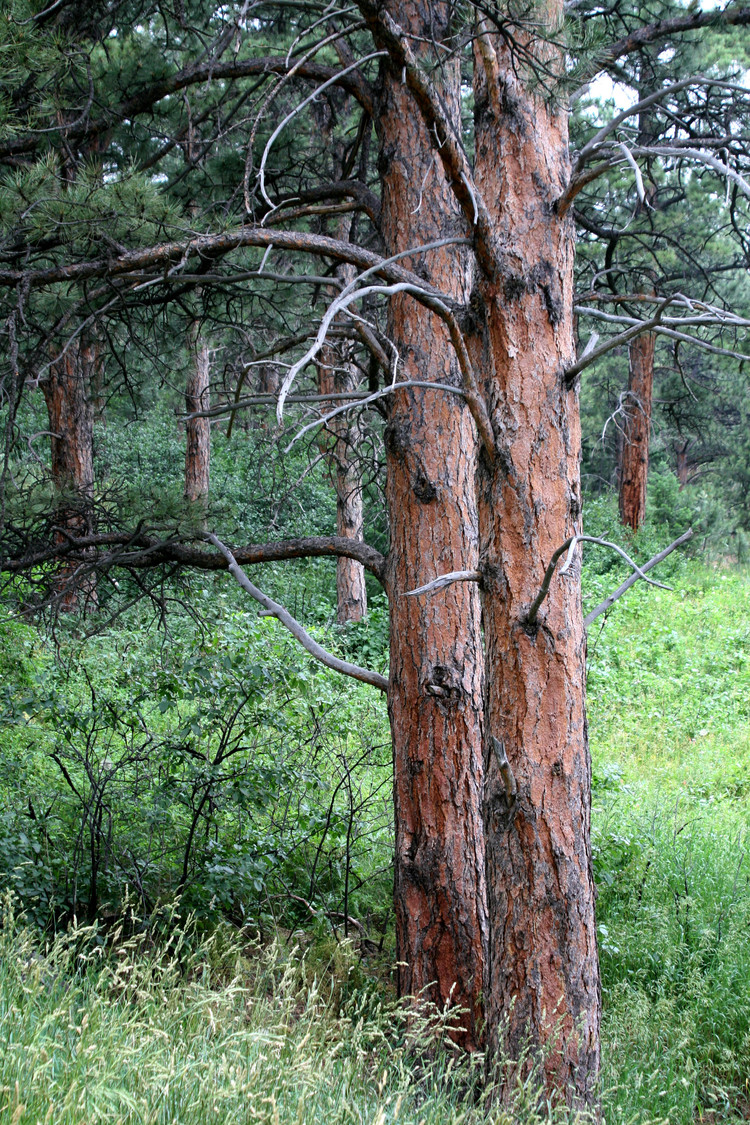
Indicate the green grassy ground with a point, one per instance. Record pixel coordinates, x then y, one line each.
669 693
206 1035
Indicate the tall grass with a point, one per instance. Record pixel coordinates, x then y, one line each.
177 1029
188 1033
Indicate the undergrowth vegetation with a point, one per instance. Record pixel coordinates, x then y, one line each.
217 767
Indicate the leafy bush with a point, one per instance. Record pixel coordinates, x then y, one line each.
228 770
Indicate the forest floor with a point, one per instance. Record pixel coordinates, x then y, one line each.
215 1029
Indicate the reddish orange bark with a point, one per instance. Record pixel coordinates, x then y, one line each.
637 431
542 981
436 668
69 408
198 430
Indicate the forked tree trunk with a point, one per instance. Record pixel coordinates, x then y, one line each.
198 430
543 982
637 430
67 394
436 663
341 440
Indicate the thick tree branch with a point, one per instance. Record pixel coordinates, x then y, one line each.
206 71
137 550
294 627
666 29
171 256
364 197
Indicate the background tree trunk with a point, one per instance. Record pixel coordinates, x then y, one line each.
637 430
683 463
436 668
67 394
340 440
543 982
198 430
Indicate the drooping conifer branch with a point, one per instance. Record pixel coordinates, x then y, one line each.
308 643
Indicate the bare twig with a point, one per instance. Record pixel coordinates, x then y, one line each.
638 107
298 108
294 627
636 171
617 341
374 397
434 302
445 580
633 578
570 545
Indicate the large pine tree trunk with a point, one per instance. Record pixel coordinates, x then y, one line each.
542 981
637 431
198 430
436 668
67 394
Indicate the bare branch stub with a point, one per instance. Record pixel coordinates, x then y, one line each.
570 545
443 581
509 781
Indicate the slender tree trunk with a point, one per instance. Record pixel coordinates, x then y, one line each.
341 439
683 464
268 380
198 430
637 431
67 393
436 668
543 982
351 591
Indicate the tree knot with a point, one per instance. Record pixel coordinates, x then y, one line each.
443 684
